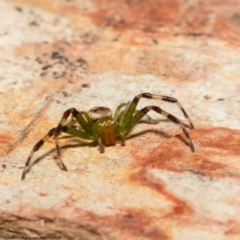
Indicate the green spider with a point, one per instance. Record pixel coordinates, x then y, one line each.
99 125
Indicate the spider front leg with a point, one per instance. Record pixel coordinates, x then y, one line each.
81 117
55 132
36 148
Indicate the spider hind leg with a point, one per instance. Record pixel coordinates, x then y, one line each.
165 99
130 117
169 116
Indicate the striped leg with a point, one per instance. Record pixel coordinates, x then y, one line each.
80 117
135 101
124 106
120 109
65 116
137 117
35 148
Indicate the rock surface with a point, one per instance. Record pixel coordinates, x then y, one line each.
61 54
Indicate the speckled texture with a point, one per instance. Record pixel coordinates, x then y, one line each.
61 54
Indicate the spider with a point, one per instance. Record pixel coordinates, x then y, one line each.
99 124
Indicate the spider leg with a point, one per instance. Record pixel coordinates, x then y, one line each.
120 109
101 146
60 161
35 148
77 132
148 119
174 100
122 137
139 114
58 130
84 121
81 117
123 108
72 122
132 107
85 135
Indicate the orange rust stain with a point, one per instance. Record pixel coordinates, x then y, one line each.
161 16
135 223
207 97
131 222
180 207
41 194
6 142
123 15
218 19
211 146
221 139
5 139
233 228
194 20
225 30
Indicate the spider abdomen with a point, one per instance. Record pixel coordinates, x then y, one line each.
106 127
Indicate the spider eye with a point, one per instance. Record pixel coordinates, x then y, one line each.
99 112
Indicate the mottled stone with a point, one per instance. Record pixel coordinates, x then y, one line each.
61 54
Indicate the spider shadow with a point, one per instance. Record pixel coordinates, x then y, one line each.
140 133
160 133
79 144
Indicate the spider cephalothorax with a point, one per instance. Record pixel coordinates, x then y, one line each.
99 124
